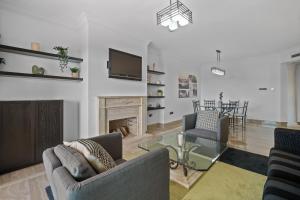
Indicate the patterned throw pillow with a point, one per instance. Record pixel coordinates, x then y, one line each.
207 119
95 154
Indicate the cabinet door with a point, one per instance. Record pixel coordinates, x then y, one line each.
16 135
48 126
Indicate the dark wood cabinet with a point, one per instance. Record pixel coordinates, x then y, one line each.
27 128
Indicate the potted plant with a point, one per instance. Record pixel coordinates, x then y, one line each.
63 57
160 92
75 72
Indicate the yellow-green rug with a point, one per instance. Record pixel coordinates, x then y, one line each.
221 182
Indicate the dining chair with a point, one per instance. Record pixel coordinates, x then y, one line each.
196 105
243 115
229 109
210 104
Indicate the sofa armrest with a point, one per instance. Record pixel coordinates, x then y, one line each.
223 129
146 177
287 140
112 143
189 121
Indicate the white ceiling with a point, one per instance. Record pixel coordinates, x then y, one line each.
240 28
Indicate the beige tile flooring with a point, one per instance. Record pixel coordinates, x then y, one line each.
29 183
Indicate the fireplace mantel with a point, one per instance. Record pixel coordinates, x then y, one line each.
122 107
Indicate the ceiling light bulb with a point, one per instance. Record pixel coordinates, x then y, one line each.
173 26
218 71
166 23
181 20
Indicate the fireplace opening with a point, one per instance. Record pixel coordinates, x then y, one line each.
125 126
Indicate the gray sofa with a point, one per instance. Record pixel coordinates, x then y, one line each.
145 177
221 134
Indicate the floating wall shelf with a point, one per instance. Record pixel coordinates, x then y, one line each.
25 75
41 54
156 96
156 108
155 72
155 84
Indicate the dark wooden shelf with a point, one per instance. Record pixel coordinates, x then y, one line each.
26 75
41 54
155 84
156 96
295 55
156 108
155 72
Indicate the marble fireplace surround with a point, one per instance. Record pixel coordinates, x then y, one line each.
114 108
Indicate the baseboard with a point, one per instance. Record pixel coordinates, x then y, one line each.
161 125
267 123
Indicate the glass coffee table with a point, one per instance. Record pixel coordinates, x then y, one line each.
188 150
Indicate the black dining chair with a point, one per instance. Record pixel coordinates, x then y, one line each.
210 104
196 105
242 116
229 109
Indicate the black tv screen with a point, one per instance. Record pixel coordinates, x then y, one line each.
124 65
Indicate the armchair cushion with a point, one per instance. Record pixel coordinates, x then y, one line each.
74 162
207 119
96 155
198 132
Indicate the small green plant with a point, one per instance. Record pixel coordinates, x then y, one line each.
160 92
2 61
74 69
63 57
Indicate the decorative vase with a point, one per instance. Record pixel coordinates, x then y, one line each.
75 74
180 139
38 70
35 46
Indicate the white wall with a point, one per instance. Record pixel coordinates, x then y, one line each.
91 42
243 79
154 56
100 39
179 106
19 30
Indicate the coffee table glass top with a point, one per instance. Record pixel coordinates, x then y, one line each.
188 150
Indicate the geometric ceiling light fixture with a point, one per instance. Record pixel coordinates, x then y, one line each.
174 16
218 70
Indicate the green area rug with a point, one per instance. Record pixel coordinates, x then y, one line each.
228 182
221 182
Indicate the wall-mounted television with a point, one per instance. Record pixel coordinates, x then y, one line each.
124 65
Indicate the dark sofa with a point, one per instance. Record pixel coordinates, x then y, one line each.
284 166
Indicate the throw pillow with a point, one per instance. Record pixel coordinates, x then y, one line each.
95 154
74 162
207 119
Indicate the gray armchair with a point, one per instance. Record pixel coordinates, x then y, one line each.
146 177
221 134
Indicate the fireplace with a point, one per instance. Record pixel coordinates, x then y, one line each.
117 112
125 126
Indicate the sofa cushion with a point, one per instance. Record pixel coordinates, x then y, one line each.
203 133
120 161
274 159
279 170
283 154
74 162
207 119
280 189
95 154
